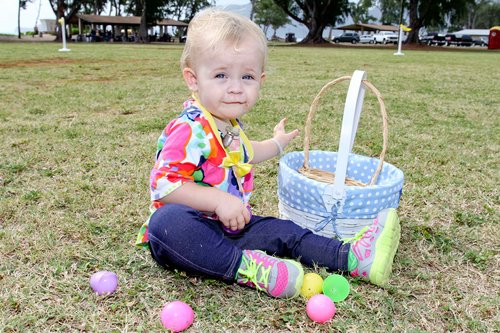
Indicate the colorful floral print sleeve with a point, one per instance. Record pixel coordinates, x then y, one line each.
190 150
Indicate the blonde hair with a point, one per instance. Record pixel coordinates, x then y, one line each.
210 28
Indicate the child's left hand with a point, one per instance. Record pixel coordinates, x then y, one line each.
267 149
281 135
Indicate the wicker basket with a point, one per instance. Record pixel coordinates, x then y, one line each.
341 189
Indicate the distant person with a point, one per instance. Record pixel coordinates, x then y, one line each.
167 37
202 180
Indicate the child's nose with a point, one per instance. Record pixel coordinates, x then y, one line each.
235 87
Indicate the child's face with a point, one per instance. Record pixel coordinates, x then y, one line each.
227 81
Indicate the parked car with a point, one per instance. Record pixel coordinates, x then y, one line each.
438 40
366 38
385 37
290 37
450 39
347 37
465 40
481 41
427 38
458 40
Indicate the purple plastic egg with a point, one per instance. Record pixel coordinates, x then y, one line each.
229 231
104 282
176 316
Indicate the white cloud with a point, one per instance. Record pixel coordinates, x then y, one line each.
8 15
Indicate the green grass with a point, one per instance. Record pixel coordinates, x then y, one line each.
78 133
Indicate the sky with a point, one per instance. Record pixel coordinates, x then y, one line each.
8 13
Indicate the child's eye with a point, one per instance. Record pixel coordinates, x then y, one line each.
220 76
248 77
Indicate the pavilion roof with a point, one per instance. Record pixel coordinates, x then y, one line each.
368 27
125 20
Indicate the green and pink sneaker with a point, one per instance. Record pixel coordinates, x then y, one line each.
278 277
374 248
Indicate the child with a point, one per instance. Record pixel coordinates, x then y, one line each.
202 180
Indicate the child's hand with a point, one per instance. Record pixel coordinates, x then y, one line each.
282 136
233 213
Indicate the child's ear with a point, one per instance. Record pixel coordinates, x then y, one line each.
190 78
262 78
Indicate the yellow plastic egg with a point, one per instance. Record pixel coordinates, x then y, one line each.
312 285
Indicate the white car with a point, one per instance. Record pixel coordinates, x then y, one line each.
366 38
385 37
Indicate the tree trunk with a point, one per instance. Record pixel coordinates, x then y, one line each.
315 34
60 14
19 21
143 29
252 11
415 23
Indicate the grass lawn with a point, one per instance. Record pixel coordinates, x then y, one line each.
78 133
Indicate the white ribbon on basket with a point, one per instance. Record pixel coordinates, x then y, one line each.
335 194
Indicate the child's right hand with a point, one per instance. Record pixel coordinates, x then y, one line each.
232 213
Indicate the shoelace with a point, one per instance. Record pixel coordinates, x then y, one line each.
356 237
250 274
362 238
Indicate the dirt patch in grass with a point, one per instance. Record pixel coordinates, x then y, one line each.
42 62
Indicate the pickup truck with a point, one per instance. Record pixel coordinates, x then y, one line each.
438 40
385 37
465 40
427 38
458 40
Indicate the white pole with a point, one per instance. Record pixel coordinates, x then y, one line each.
63 27
400 41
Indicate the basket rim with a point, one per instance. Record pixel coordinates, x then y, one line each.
393 172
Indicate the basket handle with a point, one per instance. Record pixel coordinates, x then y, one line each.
352 110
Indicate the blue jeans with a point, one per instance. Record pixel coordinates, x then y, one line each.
180 237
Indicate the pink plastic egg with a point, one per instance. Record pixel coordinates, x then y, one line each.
176 316
320 308
104 282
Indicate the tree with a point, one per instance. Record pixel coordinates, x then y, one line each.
95 7
150 11
487 16
268 14
431 12
390 10
116 6
153 10
316 15
360 11
186 9
252 11
480 14
66 9
425 13
22 5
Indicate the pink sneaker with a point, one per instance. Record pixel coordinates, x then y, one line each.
278 277
376 247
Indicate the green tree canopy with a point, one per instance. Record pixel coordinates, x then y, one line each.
268 14
425 13
479 14
360 11
316 15
390 10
